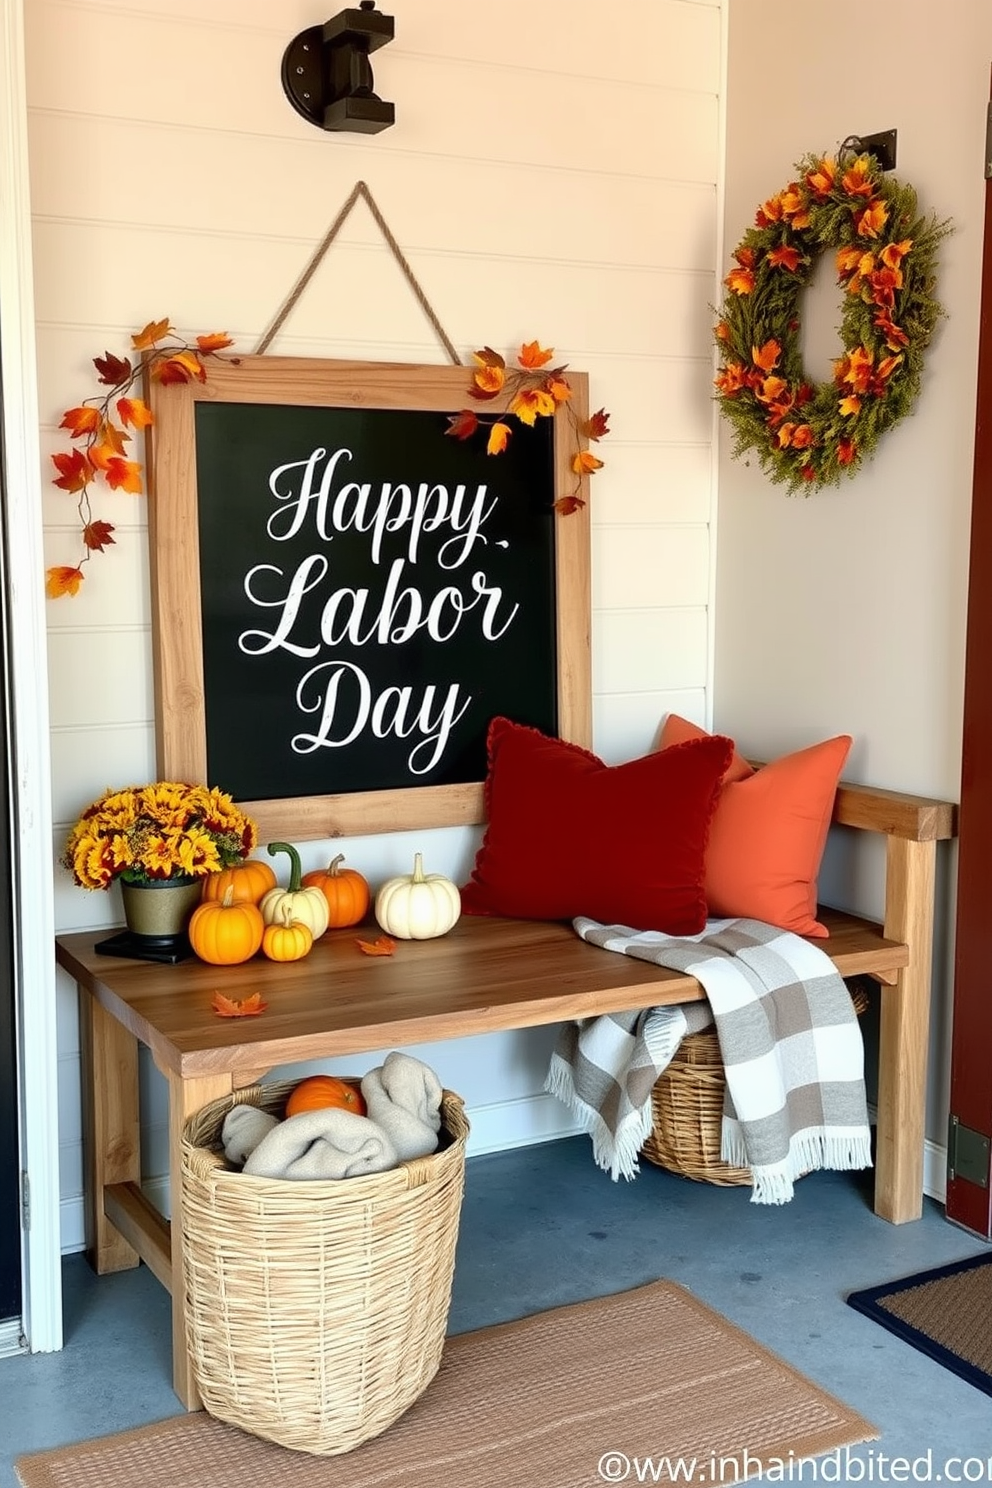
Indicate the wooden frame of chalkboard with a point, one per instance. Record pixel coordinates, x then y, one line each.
331 570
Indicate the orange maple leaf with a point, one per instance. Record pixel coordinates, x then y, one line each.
110 447
566 505
871 221
766 356
741 281
152 332
893 253
216 341
585 463
81 421
850 406
123 475
96 536
462 425
821 180
230 1007
533 355
384 946
785 257
499 438
858 181
532 403
113 370
597 425
184 366
488 381
59 581
134 411
75 471
559 389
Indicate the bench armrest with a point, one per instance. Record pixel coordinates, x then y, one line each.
915 818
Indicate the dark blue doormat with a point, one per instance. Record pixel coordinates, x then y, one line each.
946 1313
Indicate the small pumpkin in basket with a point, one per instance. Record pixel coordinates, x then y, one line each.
319 1092
225 933
418 905
346 891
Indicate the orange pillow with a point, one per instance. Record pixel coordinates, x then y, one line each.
769 831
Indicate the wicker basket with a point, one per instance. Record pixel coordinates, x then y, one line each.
687 1109
316 1311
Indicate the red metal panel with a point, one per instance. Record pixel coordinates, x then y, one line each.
968 1203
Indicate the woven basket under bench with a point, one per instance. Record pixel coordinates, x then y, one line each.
687 1108
316 1311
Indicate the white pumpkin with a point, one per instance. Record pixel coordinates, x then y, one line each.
418 905
306 905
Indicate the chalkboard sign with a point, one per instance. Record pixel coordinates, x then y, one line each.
345 596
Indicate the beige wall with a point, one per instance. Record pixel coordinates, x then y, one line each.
544 179
845 612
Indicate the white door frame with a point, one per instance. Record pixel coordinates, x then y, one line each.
32 840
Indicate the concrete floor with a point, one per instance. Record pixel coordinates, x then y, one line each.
543 1226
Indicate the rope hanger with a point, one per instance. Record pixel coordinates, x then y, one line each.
359 190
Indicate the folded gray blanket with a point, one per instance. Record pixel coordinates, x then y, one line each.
403 1098
330 1143
243 1129
403 1101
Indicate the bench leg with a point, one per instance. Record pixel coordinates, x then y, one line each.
111 1151
905 1033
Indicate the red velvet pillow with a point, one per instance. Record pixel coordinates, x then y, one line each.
569 835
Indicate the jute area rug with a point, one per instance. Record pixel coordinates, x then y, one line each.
946 1313
585 1394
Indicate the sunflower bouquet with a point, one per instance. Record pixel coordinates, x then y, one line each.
148 833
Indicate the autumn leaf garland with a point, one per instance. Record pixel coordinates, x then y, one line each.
100 428
531 390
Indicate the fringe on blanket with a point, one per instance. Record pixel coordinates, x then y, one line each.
616 1149
814 1148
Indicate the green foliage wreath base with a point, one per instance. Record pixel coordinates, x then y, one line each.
825 208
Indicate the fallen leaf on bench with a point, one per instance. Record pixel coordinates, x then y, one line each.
384 946
230 1007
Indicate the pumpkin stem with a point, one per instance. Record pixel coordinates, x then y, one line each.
332 866
228 899
418 868
295 875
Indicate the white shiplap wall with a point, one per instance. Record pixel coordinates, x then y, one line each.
550 174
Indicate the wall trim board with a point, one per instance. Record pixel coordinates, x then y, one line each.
502 1126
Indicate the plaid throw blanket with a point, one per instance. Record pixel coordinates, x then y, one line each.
788 1035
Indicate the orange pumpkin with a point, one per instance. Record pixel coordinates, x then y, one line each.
225 933
318 1092
249 880
345 890
286 939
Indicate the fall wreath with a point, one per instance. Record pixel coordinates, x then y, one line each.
805 434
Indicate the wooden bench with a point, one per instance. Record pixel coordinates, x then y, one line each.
485 975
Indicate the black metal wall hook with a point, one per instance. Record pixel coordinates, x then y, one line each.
327 76
882 147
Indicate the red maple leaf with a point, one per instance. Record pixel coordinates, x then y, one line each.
96 536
